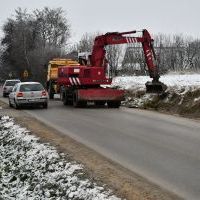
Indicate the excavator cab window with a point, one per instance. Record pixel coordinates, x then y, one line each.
82 61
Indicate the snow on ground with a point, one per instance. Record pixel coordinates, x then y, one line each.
138 82
182 90
33 170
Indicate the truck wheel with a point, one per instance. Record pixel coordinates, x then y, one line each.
75 100
99 103
77 103
51 95
82 104
65 101
51 90
114 104
62 96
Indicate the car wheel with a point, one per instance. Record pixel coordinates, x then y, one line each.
4 95
10 104
45 105
17 106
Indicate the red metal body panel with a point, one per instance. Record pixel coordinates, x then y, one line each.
75 81
82 75
100 94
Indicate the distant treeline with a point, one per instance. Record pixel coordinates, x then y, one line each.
174 53
31 39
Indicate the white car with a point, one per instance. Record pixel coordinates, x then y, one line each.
28 93
8 86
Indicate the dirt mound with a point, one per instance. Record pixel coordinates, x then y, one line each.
184 101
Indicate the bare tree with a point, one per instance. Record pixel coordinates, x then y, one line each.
53 28
113 56
193 55
18 41
86 42
113 52
32 39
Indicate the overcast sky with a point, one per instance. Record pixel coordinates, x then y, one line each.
158 16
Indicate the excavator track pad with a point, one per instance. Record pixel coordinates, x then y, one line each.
155 87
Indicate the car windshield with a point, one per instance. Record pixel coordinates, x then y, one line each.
31 87
11 83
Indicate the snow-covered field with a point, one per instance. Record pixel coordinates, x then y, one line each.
171 80
33 170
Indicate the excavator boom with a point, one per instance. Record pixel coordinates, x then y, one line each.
98 54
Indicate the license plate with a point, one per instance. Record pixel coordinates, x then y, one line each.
32 100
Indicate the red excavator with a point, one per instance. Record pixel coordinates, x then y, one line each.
82 83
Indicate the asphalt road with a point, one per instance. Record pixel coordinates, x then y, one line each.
162 148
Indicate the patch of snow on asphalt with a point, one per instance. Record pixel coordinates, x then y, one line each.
32 170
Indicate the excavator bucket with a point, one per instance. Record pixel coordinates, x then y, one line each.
155 87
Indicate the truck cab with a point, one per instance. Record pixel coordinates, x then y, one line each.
52 73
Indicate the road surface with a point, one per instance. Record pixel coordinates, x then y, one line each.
162 148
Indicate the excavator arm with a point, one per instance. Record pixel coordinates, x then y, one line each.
98 54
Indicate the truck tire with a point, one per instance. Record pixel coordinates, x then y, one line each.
51 94
80 104
99 103
77 103
65 100
114 104
50 90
